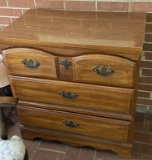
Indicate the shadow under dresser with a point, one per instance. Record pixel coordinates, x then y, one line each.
75 75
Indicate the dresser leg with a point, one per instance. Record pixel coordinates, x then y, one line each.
121 149
126 154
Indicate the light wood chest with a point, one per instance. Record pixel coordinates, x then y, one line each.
75 75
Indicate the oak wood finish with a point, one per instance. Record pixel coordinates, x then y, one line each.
87 125
65 74
80 68
123 70
122 149
95 95
47 68
81 110
108 33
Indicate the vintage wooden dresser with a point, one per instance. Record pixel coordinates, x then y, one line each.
75 75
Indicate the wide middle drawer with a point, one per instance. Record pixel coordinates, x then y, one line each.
75 123
94 97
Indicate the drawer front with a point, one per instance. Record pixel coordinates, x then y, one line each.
104 70
73 94
75 123
30 63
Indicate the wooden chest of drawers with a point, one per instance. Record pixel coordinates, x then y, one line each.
75 75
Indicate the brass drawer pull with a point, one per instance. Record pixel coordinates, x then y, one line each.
68 95
70 124
103 71
65 63
30 64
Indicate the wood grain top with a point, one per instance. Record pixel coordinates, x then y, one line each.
114 31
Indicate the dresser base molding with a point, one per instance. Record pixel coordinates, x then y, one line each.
121 149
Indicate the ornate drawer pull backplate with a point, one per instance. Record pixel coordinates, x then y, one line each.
68 95
30 64
103 71
65 63
70 124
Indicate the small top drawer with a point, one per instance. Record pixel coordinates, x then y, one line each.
104 70
30 63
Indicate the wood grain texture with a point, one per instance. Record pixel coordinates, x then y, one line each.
65 74
122 149
87 125
106 31
114 115
13 58
123 70
103 106
80 69
88 96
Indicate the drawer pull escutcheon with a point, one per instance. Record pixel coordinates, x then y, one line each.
103 71
68 95
30 64
65 63
70 124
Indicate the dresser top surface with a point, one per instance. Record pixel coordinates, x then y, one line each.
81 29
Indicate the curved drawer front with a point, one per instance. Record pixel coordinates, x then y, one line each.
75 123
104 70
73 94
30 63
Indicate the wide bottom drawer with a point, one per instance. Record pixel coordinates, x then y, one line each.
93 126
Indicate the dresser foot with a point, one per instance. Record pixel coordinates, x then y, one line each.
121 149
125 155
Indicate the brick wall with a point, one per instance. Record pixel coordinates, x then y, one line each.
143 123
12 9
145 79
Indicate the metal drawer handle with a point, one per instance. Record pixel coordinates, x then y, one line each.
65 63
103 71
30 64
68 95
70 124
